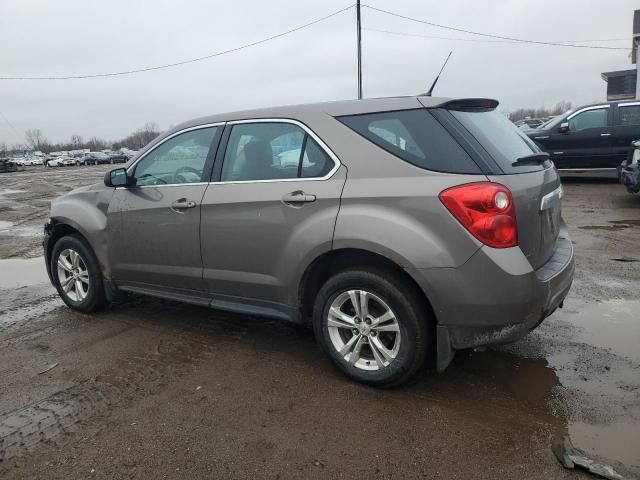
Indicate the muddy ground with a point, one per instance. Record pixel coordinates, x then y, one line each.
156 389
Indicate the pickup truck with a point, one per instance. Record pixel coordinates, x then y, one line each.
590 138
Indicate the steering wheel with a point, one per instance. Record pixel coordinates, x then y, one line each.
178 178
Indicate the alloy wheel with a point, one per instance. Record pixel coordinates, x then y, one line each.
73 275
364 330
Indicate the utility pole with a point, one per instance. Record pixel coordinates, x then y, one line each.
359 50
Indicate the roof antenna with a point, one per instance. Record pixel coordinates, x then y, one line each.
428 94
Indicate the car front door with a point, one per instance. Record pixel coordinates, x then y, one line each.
626 128
587 142
154 225
271 207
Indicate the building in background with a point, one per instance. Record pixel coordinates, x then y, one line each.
623 84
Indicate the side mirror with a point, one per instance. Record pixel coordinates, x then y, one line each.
116 178
564 127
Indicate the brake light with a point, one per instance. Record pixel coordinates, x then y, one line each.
486 210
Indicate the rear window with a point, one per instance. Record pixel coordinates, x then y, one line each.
630 115
500 138
414 136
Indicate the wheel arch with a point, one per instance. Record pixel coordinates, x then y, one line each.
63 228
334 261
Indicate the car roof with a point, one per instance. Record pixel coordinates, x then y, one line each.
336 108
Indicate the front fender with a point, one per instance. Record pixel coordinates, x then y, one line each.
85 210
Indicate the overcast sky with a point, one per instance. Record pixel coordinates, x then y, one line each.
69 37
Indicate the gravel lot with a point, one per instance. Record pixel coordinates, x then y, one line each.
156 389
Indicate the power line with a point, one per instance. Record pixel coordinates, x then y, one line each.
183 62
500 37
406 34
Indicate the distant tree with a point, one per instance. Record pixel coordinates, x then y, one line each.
3 147
35 139
76 141
561 107
142 136
539 112
96 144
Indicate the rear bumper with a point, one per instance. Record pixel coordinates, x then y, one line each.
495 297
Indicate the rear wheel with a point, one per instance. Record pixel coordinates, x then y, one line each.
76 274
373 326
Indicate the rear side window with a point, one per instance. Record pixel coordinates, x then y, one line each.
630 115
500 138
273 151
414 136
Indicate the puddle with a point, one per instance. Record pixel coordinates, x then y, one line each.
614 325
618 441
8 191
28 231
605 227
626 222
599 366
21 272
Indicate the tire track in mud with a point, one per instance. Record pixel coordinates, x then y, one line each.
21 431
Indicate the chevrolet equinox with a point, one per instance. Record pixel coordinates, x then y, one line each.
399 228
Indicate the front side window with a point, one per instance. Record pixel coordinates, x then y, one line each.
272 151
180 159
630 115
589 119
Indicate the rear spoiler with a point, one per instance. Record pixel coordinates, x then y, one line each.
470 104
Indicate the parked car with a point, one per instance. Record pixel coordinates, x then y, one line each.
53 162
446 233
68 161
118 158
591 138
629 169
530 123
94 158
34 161
7 165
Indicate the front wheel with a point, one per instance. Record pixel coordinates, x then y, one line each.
76 274
373 325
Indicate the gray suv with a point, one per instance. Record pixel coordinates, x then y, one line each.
400 228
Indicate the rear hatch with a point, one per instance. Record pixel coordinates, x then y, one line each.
534 183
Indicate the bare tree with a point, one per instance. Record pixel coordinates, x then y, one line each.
96 144
542 111
3 147
76 141
35 139
142 136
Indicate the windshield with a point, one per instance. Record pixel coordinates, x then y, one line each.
555 121
501 139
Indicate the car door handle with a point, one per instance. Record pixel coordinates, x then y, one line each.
605 134
298 197
182 204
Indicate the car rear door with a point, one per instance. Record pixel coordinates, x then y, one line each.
154 225
626 128
271 206
587 143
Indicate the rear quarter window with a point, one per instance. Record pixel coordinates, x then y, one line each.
414 136
500 138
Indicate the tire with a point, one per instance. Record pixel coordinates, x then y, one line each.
90 295
386 290
77 163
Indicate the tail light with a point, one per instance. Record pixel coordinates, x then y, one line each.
486 210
